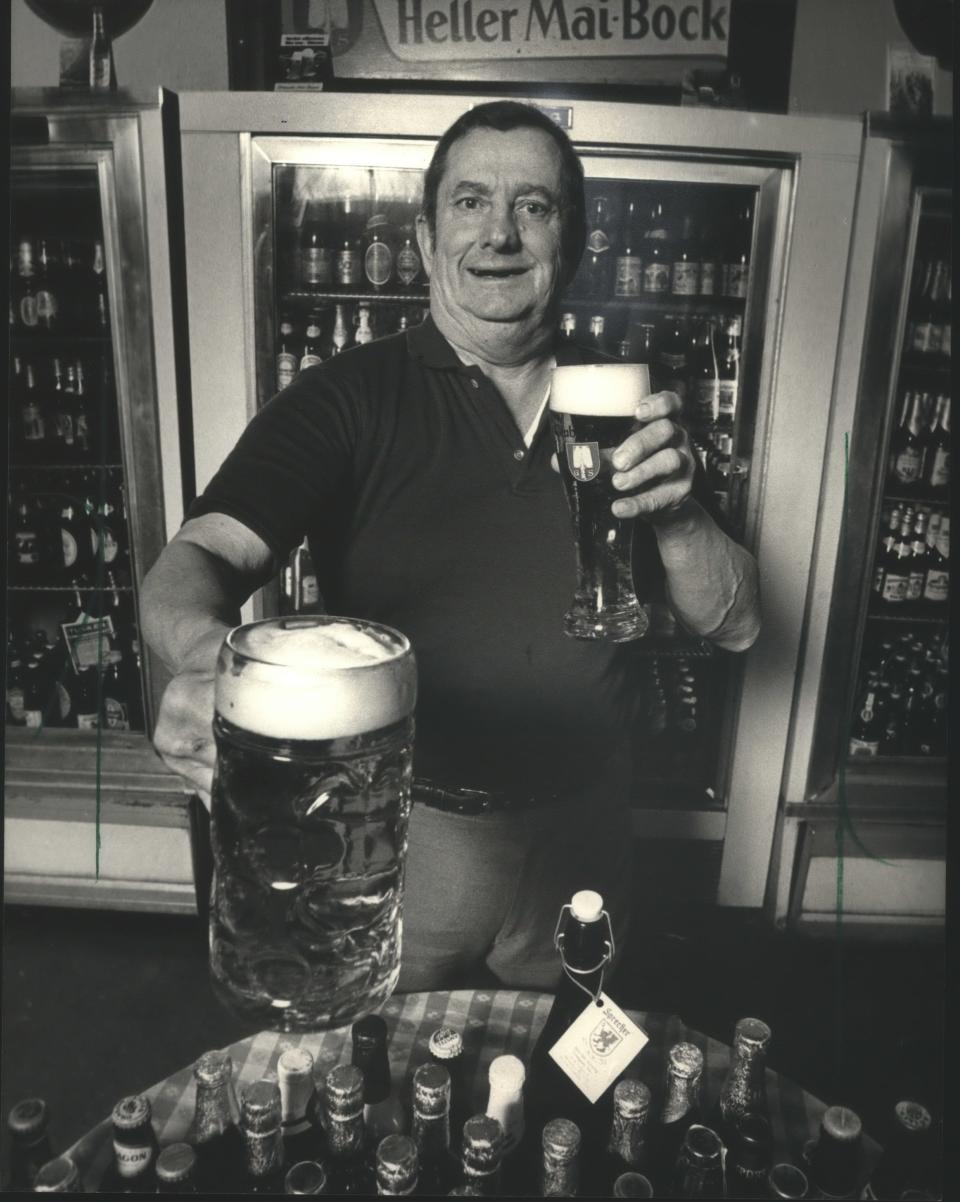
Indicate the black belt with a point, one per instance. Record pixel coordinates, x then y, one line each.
458 800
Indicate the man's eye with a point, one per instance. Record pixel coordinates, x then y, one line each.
470 203
533 208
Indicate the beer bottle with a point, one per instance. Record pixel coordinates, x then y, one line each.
906 446
728 377
788 1182
867 722
59 1176
891 519
298 1105
439 1167
506 1076
584 943
28 546
409 265
560 1164
383 1112
340 339
910 1156
397 1166
704 390
348 266
288 363
315 255
28 1124
672 357
26 288
749 1155
896 565
745 1087
699 1168
364 332
736 262
347 1166
177 1169
685 276
15 684
918 562
936 588
632 1185
135 1147
262 1139
709 267
114 695
378 254
657 254
101 58
100 305
311 347
214 1131
61 417
680 1111
48 306
481 1155
937 473
628 1146
307 1177
446 1050
629 268
595 265
836 1157
33 428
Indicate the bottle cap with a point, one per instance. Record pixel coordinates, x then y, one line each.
686 1060
632 1185
586 905
507 1073
631 1098
446 1043
29 1117
132 1112
913 1116
482 1142
842 1123
369 1032
752 1031
397 1163
294 1064
344 1088
306 1177
787 1181
213 1068
175 1162
702 1144
260 1105
561 1139
431 1089
60 1176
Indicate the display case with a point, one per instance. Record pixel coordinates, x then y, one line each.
94 486
871 727
710 256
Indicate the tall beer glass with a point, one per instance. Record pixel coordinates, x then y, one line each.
310 801
592 408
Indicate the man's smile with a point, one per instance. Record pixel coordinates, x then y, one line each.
496 273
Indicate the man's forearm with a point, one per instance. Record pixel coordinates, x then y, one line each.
712 582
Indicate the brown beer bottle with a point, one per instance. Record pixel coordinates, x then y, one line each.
60 1176
482 1154
347 1165
906 446
439 1167
135 1148
176 1169
596 266
397 1167
680 1111
28 1124
260 1111
214 1131
383 1112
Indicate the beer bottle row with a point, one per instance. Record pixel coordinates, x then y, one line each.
64 410
71 538
919 457
929 318
88 676
334 327
912 565
338 249
902 697
58 286
653 252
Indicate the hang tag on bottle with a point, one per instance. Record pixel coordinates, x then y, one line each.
596 1048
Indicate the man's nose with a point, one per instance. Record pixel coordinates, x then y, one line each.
500 229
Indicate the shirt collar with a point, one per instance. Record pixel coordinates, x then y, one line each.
427 343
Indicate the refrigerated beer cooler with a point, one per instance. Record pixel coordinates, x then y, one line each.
718 253
865 784
91 815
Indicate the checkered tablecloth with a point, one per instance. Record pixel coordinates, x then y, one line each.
492 1022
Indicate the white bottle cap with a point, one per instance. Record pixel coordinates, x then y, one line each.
586 905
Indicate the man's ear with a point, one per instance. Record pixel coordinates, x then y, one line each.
425 242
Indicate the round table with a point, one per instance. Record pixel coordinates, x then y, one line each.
492 1022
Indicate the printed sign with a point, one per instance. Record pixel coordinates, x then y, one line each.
583 460
88 641
596 1048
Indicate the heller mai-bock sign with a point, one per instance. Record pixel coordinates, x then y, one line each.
617 41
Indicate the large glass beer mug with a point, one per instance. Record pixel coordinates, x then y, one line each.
593 409
310 801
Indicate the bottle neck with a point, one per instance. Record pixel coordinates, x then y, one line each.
344 1135
431 1133
214 1113
681 1096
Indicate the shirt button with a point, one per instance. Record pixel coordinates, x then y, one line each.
475 383
518 455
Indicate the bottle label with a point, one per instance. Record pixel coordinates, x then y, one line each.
937 586
921 337
727 398
906 466
81 432
70 548
46 307
878 581
28 311
707 398
106 545
309 360
597 1046
685 280
378 263
656 277
348 266
598 242
286 368
894 588
943 539
408 264
28 548
115 715
309 590
316 265
131 1161
940 471
33 718
735 279
708 278
88 722
915 586
33 427
15 703
64 423
629 281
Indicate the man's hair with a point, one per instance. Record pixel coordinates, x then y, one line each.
502 116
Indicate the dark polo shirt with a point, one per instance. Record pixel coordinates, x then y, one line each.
425 511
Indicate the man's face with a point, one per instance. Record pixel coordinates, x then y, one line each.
496 252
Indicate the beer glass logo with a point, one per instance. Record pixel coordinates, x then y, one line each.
583 459
603 1038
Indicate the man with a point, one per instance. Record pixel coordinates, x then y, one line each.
420 468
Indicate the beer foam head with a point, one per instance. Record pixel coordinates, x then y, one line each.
314 677
599 389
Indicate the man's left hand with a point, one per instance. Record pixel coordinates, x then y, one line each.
655 464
